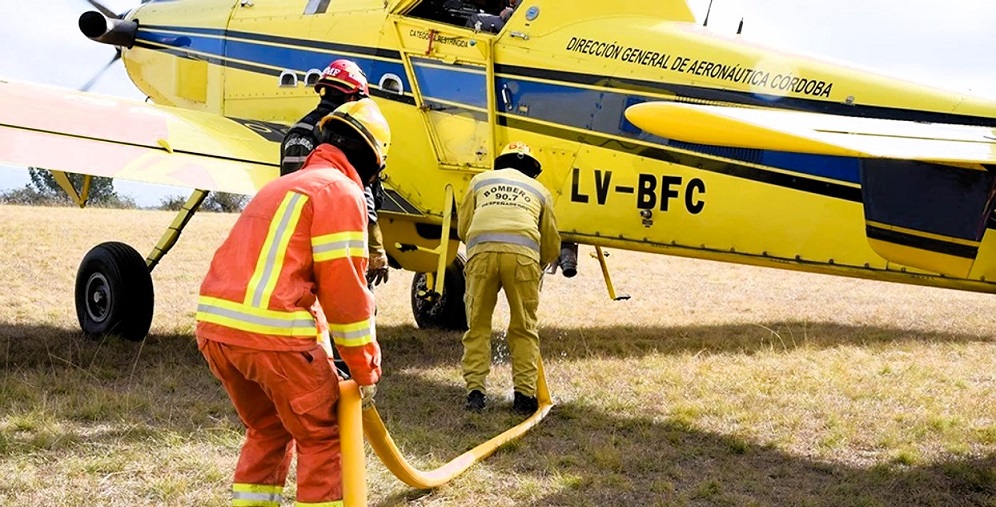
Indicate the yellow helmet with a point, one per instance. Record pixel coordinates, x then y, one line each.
364 118
517 155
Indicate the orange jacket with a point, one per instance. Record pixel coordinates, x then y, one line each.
302 239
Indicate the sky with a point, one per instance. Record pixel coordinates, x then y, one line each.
44 45
949 44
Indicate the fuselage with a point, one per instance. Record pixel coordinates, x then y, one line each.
560 76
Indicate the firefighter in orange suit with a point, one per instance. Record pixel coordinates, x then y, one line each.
301 239
508 224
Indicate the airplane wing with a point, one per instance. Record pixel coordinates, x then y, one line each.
816 133
67 130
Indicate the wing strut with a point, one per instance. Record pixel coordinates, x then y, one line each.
172 234
79 196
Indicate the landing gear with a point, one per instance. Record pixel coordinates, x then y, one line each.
114 292
114 283
441 311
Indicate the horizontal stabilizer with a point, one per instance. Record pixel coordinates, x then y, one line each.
816 133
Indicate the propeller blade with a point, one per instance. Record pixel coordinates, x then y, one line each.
103 10
89 84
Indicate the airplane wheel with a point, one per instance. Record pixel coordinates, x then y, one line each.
448 312
114 292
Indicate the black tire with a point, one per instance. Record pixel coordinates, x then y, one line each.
448 312
114 292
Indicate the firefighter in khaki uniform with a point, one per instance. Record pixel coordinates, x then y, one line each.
300 241
508 224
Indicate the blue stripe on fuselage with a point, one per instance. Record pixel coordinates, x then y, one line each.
467 87
190 42
602 111
299 58
838 168
561 103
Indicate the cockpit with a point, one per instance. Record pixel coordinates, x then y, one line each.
481 15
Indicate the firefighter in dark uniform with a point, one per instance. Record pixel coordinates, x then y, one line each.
341 82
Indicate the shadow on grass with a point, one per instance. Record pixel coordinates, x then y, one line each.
580 455
406 346
589 457
438 348
32 346
161 382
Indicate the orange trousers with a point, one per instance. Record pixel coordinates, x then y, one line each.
286 401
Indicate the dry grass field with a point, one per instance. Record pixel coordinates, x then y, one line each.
714 385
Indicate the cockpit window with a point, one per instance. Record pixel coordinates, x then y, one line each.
317 7
481 15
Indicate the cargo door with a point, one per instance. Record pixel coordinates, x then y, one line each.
451 69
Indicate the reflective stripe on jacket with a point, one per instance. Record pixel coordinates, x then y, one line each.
300 240
507 211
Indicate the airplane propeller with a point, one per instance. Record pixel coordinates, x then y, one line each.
93 80
92 26
103 9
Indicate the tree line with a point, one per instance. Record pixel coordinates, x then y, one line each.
43 190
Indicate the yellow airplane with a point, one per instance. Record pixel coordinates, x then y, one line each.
656 135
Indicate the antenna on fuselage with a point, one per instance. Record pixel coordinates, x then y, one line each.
709 10
741 27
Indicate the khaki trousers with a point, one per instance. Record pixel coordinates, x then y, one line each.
519 275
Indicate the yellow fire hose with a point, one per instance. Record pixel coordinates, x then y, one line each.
353 465
354 468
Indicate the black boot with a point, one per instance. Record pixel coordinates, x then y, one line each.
475 401
524 405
